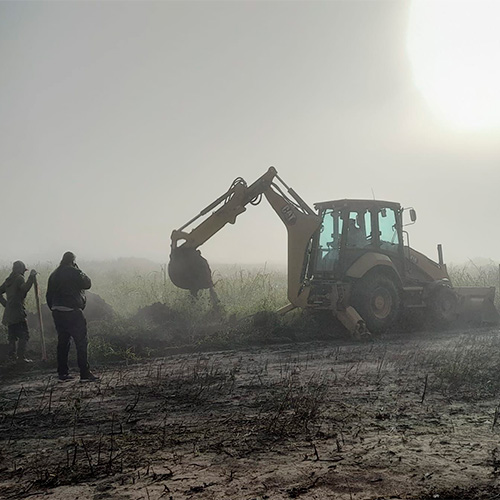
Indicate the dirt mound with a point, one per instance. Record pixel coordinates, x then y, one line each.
97 309
157 314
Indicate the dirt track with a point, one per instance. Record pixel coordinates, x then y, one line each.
320 420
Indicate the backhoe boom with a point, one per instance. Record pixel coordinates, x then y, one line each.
233 201
189 270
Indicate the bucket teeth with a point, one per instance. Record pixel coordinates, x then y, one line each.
189 270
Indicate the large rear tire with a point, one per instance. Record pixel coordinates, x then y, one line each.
376 298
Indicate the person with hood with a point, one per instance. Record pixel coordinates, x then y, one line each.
66 299
14 317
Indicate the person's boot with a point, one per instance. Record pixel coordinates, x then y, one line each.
21 352
24 359
89 377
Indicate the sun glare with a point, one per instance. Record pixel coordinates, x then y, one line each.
454 49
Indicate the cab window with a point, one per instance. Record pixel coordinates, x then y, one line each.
389 237
359 230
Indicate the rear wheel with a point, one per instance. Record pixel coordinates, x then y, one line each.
376 298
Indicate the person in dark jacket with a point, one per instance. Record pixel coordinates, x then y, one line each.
66 299
14 317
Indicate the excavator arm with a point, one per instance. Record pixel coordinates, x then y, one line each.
231 204
189 270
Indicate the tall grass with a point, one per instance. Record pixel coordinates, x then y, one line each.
127 288
131 285
249 291
473 274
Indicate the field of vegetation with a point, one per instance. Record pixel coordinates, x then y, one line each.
243 404
147 314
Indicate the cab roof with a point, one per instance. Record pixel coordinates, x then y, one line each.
357 204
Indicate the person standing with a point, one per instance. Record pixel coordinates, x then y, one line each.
66 299
14 317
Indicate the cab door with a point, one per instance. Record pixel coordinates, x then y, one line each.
390 238
326 248
360 236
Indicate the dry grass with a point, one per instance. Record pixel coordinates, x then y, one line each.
329 417
101 430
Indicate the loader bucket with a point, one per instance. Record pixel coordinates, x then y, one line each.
476 305
189 270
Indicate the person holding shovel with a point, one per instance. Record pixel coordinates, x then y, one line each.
14 317
66 299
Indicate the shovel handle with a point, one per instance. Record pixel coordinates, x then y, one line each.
40 321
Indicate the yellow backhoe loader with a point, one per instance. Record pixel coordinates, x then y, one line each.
350 257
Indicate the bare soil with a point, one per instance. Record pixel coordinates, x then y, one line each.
316 420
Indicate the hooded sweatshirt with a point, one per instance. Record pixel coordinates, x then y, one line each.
16 290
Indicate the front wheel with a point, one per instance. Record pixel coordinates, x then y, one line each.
443 305
376 298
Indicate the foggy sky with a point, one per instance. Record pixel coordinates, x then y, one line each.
119 121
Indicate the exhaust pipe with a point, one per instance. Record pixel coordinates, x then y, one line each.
440 254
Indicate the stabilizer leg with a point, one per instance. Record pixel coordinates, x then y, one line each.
354 323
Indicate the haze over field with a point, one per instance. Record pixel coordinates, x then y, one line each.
120 121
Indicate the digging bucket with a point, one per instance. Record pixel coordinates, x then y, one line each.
189 270
476 304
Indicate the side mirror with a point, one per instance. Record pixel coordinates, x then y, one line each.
413 215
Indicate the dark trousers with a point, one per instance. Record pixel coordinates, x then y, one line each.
71 324
18 332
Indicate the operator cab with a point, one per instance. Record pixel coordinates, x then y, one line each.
351 228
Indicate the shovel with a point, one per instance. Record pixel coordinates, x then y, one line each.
40 321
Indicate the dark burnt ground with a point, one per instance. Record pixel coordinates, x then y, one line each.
387 419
